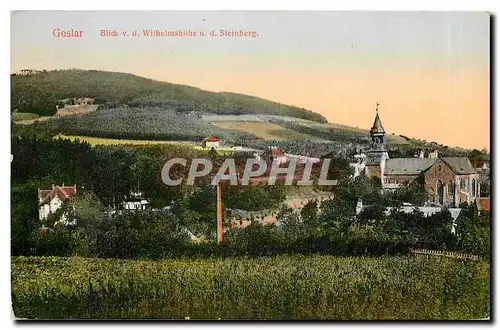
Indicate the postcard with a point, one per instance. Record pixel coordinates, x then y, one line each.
250 165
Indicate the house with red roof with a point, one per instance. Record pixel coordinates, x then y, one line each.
211 142
50 200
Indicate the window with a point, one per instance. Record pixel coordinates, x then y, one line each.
451 193
473 187
440 192
462 184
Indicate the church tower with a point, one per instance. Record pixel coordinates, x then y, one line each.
377 154
377 133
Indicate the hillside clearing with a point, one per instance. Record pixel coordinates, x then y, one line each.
264 130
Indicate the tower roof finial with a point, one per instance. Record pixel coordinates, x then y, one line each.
377 124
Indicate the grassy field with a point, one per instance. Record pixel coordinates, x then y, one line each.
20 116
104 141
284 287
264 130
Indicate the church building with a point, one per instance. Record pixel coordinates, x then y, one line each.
449 181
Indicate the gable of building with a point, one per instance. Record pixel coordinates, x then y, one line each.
460 165
63 193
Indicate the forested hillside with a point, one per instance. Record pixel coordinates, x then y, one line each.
40 92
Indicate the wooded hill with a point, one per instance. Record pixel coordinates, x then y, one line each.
40 92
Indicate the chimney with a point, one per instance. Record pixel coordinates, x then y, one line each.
53 186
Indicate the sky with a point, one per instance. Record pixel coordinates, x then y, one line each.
430 71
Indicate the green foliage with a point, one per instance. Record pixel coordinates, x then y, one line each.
285 287
485 188
372 213
83 209
477 156
416 230
24 218
39 93
309 214
129 235
474 231
414 194
253 240
55 242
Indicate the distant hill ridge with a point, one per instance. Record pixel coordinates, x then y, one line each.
39 92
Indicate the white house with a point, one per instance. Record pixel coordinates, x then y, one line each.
211 142
49 201
135 202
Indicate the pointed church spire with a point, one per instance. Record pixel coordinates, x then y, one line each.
377 127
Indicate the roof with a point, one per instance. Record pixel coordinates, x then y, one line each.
483 203
211 138
460 165
408 166
64 192
377 125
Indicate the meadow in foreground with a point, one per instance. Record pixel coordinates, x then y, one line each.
282 287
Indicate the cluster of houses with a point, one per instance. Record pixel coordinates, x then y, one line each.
75 102
448 181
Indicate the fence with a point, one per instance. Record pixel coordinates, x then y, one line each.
448 254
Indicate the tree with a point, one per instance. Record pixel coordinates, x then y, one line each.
24 218
309 214
374 213
84 208
473 231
